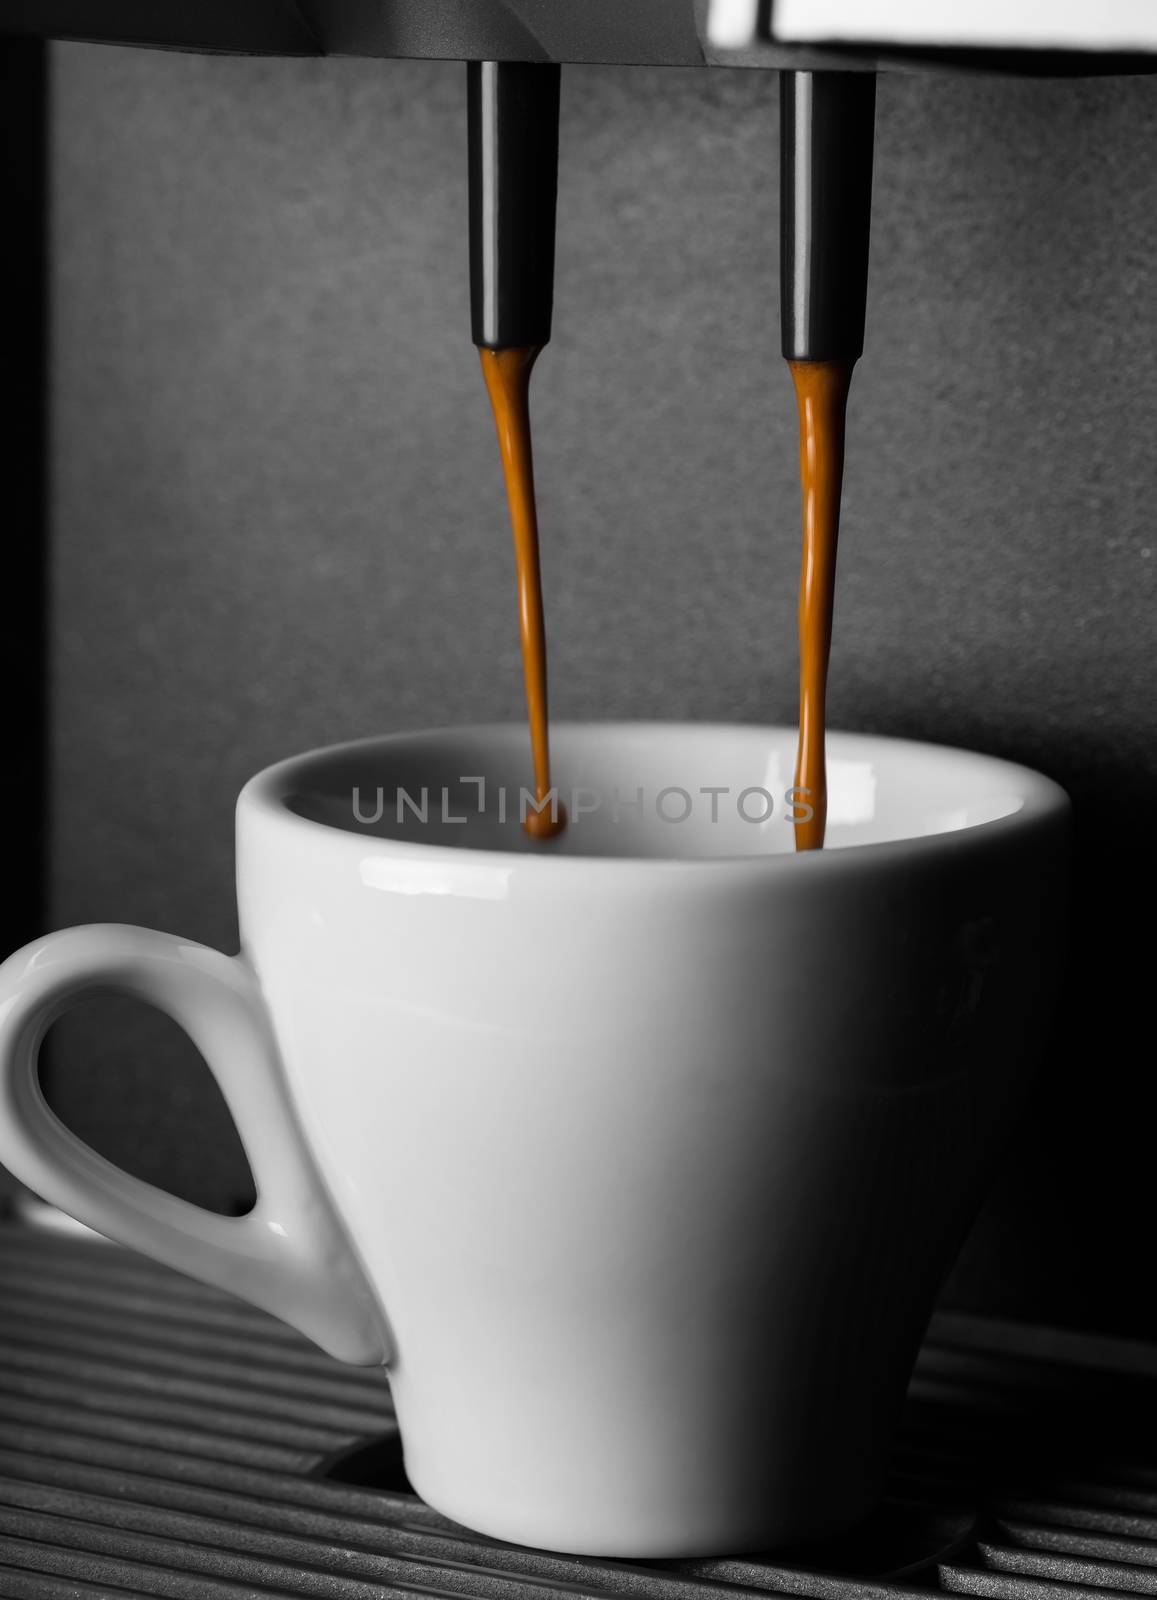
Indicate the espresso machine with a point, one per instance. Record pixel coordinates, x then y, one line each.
134 1458
768 33
826 117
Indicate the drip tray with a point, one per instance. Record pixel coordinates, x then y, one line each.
901 1539
160 1438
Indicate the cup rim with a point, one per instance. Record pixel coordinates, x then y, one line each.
1041 798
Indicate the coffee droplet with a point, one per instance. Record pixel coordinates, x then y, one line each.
547 823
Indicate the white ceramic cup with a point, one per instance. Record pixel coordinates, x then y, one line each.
638 1157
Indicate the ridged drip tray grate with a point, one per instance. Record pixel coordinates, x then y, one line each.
159 1438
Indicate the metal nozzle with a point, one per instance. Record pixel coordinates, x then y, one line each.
513 133
827 126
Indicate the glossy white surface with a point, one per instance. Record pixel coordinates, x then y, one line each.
978 24
654 1161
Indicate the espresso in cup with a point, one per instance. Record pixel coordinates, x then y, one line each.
659 1142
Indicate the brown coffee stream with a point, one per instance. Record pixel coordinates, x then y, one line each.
507 374
821 391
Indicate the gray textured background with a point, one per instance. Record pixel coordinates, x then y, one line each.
277 516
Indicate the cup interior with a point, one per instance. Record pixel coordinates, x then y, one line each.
666 791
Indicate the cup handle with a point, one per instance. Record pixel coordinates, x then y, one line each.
289 1255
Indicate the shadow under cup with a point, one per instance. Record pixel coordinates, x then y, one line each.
655 1141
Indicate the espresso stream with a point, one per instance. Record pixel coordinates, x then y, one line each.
821 391
507 374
